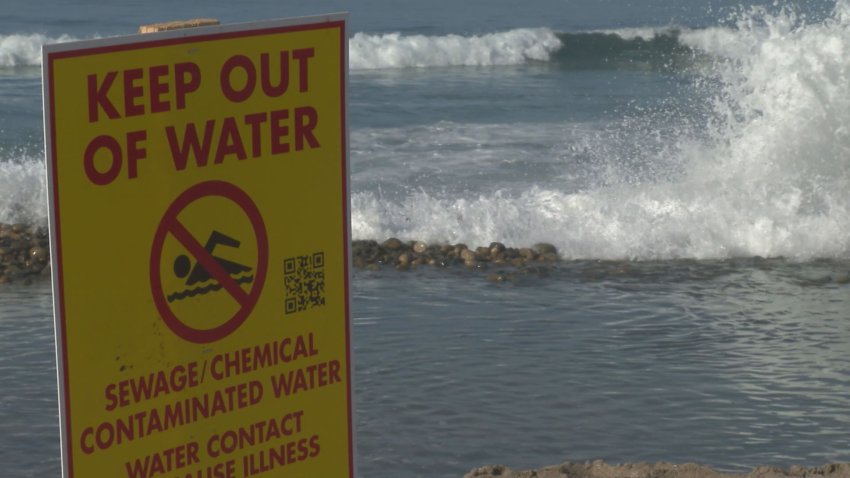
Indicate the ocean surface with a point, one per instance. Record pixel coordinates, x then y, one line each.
689 159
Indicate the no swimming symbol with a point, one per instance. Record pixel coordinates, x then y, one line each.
204 267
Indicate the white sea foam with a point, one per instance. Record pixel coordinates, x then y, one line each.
22 189
394 50
768 176
638 33
25 50
368 51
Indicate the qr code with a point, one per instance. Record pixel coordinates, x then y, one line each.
304 278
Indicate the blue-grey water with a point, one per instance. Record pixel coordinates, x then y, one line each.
688 159
730 363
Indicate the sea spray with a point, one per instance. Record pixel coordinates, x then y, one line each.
754 164
23 195
780 151
394 50
764 173
19 50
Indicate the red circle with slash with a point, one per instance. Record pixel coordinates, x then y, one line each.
171 225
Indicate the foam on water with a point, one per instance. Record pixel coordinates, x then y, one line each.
22 189
640 33
25 50
394 50
768 176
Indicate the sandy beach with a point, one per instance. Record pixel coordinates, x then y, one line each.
600 469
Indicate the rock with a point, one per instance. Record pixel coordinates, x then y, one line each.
392 244
365 252
482 253
467 255
420 247
496 248
491 470
544 248
547 257
527 253
24 253
510 254
39 254
600 469
408 255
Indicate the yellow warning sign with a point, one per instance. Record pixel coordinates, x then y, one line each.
200 227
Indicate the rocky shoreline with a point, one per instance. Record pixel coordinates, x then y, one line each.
25 256
24 253
501 263
600 469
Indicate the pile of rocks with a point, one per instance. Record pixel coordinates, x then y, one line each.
600 469
25 256
406 255
24 253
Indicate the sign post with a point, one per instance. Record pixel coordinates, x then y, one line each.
199 220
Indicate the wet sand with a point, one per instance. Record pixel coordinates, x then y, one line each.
600 469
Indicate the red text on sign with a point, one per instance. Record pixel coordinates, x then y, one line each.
278 456
306 378
108 434
150 386
156 80
250 359
225 469
106 149
238 77
253 135
257 433
164 461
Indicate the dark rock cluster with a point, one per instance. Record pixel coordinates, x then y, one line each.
25 256
24 253
369 254
600 469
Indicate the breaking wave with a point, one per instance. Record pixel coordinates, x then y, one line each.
25 50
394 50
767 173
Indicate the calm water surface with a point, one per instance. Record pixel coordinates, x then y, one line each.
730 363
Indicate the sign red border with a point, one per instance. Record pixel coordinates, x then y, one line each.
171 225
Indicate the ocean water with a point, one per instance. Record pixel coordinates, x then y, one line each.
690 161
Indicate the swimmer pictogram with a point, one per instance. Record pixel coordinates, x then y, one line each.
196 273
204 268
